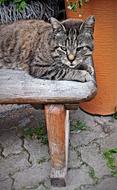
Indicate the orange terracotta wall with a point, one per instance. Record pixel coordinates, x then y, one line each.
105 56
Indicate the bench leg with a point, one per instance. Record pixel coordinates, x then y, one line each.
57 121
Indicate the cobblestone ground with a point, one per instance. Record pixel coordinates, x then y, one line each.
25 162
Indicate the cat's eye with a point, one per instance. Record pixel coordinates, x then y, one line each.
63 48
87 48
79 48
87 51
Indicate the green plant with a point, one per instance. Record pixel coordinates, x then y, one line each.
20 4
92 174
78 126
110 159
74 5
115 114
37 133
42 160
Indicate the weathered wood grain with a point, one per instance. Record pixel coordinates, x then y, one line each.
19 87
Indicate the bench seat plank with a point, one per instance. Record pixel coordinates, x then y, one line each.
19 87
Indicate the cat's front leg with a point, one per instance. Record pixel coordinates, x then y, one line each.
37 71
78 75
45 72
88 68
85 76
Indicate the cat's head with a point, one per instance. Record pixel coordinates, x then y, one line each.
74 40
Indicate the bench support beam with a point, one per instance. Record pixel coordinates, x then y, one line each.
57 121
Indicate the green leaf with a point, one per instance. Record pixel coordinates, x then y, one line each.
38 133
78 126
21 6
110 160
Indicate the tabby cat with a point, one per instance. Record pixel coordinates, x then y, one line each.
56 50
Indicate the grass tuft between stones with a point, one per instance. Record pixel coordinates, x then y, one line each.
42 160
111 161
115 115
78 126
93 175
36 133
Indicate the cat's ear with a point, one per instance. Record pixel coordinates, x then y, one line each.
57 26
88 24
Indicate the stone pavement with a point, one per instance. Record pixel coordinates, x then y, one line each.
25 161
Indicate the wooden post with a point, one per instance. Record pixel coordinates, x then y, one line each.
57 121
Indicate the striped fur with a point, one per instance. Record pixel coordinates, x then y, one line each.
56 51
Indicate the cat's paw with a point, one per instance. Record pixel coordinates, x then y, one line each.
86 76
90 70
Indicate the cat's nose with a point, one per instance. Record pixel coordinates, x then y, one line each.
71 57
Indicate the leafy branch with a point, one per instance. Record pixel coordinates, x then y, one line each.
20 4
74 5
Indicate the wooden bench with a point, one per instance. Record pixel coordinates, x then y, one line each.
56 97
